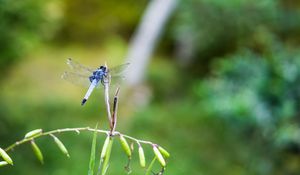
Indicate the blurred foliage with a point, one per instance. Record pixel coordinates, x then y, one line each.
241 119
258 98
21 23
87 20
208 29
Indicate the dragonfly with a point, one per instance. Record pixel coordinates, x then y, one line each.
92 78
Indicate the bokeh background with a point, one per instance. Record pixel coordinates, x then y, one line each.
221 91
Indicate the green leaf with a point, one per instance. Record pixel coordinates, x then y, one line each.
105 155
93 153
104 148
150 166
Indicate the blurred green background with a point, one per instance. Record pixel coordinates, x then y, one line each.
226 102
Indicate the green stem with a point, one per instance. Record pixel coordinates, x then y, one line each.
25 140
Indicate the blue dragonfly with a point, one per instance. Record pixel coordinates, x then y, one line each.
92 78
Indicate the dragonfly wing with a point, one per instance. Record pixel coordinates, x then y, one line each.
77 79
79 68
118 70
117 79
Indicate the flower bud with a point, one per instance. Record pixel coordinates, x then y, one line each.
61 146
6 157
159 157
3 163
142 157
37 151
125 146
33 133
164 152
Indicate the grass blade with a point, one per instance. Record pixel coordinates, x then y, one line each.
107 157
93 154
150 166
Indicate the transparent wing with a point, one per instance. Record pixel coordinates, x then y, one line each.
117 79
79 68
118 70
76 79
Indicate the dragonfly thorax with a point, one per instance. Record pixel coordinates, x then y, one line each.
99 74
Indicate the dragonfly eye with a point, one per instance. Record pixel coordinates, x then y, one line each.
103 68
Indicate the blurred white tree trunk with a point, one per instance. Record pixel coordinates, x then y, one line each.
146 37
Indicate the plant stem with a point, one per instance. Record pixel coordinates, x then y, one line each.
106 98
77 130
115 110
136 140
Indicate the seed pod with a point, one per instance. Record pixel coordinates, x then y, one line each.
125 146
159 157
104 148
164 152
37 152
3 163
33 133
142 157
6 157
61 146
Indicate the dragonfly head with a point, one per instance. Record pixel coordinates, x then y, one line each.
103 68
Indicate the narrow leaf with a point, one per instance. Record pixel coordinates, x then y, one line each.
93 153
6 157
61 146
125 146
107 157
3 163
104 148
103 153
150 166
33 133
142 157
159 157
37 152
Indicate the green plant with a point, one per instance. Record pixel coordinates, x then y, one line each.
159 153
257 98
21 26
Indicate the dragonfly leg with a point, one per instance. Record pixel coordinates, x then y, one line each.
105 79
91 78
102 82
